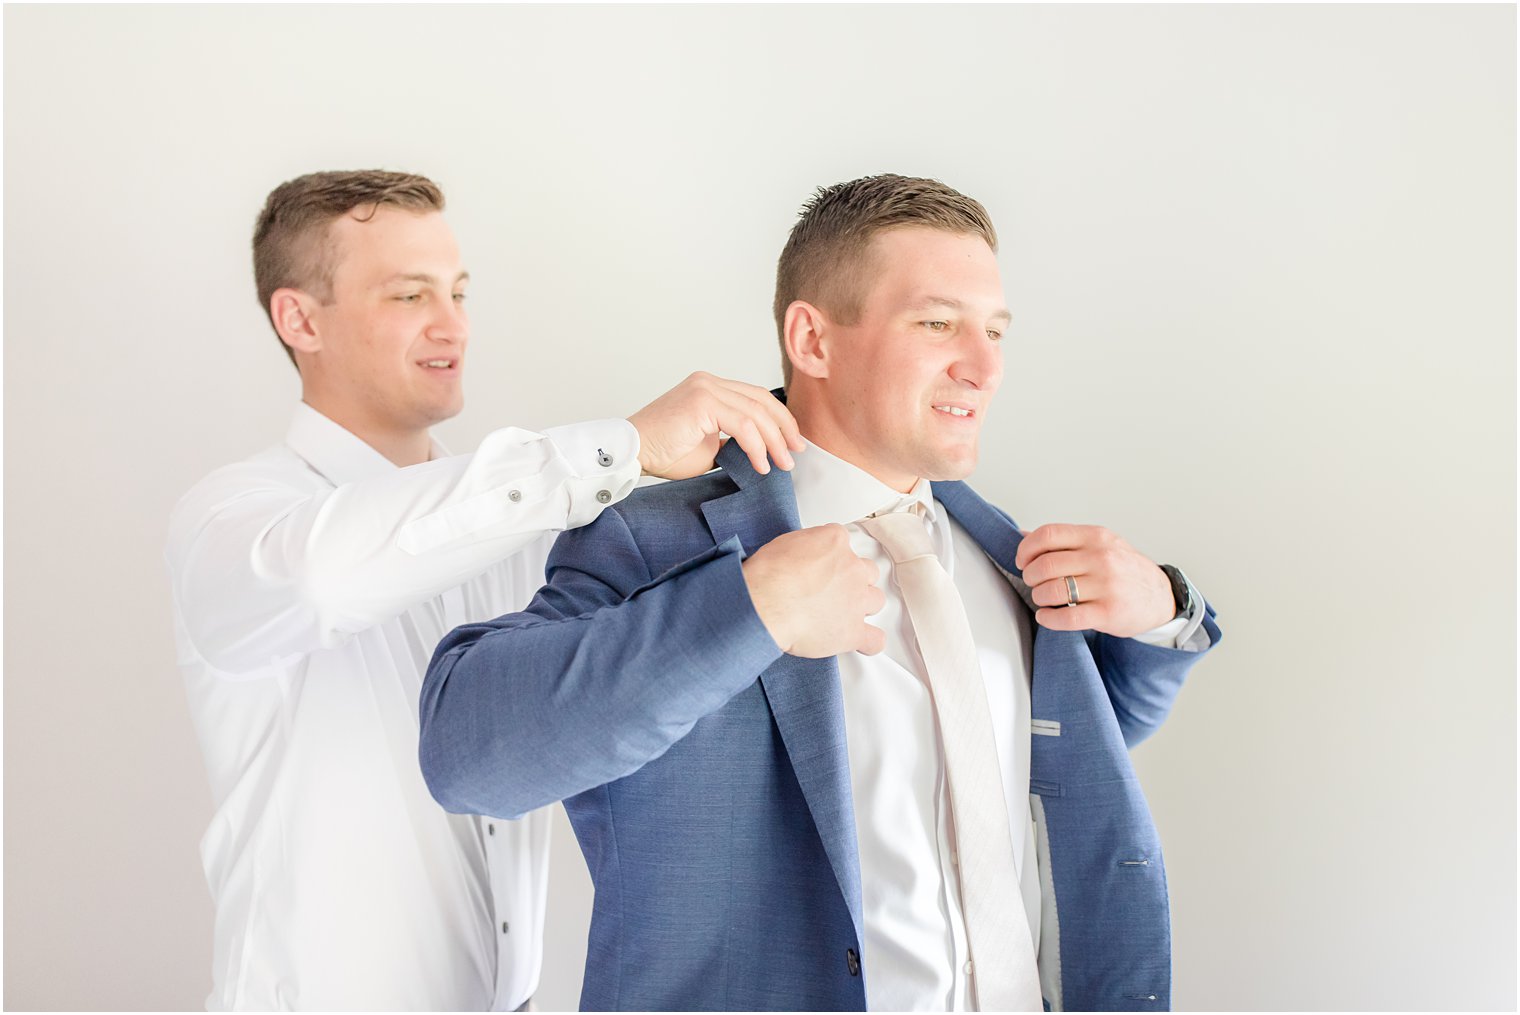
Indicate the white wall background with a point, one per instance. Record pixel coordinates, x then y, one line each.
1262 262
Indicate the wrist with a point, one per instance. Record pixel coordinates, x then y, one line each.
639 451
756 580
1181 590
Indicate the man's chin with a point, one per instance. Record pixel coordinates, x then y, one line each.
435 414
951 467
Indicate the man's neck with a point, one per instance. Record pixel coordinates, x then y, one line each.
818 425
400 447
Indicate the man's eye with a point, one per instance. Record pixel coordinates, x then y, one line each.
410 297
996 336
459 297
936 325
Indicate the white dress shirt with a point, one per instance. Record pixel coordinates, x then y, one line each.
914 955
311 584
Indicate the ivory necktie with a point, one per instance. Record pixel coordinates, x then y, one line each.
1004 975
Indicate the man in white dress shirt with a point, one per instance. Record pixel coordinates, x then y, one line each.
312 581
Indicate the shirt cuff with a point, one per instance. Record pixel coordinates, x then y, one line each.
604 457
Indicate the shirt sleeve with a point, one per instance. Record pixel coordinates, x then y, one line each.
264 569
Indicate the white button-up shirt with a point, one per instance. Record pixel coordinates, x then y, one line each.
915 952
311 583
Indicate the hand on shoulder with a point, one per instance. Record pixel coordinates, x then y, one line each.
678 432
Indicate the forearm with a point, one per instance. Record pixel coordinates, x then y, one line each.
1143 680
542 705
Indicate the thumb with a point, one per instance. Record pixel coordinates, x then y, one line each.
872 640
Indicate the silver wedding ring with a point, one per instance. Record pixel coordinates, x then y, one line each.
1072 598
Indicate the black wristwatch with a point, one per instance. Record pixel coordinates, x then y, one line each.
1182 589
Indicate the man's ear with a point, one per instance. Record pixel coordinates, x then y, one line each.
291 311
804 331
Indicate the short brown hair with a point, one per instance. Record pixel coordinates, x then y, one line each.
824 260
292 243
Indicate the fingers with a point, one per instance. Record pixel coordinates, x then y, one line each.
745 431
1090 589
1057 564
875 600
872 640
1119 591
1070 618
838 536
693 413
755 427
865 597
771 405
1054 537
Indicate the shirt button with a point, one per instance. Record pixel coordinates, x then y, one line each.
968 967
955 858
603 496
852 961
504 926
490 829
514 495
603 457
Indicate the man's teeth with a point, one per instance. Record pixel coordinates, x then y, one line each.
952 410
437 363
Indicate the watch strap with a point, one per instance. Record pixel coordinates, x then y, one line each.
1182 589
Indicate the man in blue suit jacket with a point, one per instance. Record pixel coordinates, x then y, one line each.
678 680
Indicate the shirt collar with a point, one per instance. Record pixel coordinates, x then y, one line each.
337 454
831 490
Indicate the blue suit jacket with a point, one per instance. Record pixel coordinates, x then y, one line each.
714 808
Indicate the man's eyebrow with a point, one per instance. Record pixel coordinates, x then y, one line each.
424 278
930 302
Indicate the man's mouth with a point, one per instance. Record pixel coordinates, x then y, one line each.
959 411
439 364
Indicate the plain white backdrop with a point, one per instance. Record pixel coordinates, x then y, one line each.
1262 266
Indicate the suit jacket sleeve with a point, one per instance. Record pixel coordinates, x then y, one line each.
1143 680
602 673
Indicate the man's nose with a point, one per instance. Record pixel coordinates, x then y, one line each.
980 363
449 323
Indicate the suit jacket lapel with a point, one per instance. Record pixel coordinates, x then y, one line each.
993 531
803 694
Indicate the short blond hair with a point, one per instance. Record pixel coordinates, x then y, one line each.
825 258
292 242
